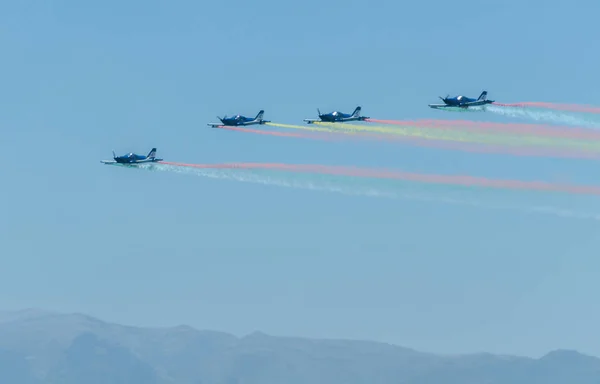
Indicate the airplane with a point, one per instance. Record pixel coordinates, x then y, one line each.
132 158
462 101
240 120
338 117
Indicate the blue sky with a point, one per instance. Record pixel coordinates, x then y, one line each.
81 79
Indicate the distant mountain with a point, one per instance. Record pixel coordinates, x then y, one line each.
39 347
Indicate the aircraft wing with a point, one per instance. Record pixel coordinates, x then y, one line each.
147 161
439 106
475 103
254 122
133 162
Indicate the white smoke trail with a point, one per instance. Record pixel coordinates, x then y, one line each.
251 176
538 114
325 184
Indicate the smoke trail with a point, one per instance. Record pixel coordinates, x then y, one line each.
466 136
466 131
457 180
327 185
253 177
332 134
552 116
557 106
505 128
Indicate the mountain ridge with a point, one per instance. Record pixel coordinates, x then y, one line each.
46 347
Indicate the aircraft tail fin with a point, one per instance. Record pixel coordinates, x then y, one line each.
483 95
356 112
260 115
152 153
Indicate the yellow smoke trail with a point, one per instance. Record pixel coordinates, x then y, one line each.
443 134
457 135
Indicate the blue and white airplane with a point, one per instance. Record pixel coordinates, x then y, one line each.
132 158
240 120
462 101
338 117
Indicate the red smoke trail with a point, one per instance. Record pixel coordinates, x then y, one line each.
399 175
432 143
492 148
557 106
481 127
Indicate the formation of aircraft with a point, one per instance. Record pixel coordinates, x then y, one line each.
462 101
240 120
332 117
338 117
132 158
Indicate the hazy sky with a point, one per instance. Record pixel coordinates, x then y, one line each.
80 79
